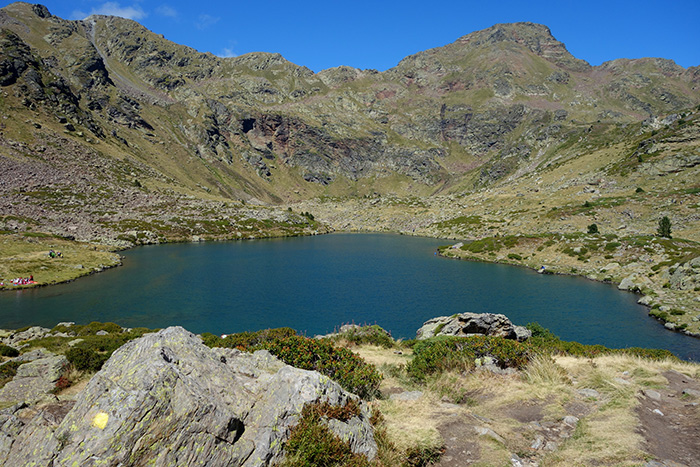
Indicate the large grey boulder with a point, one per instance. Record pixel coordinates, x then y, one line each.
167 399
686 276
469 324
34 380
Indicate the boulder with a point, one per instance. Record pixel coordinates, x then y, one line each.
469 324
629 283
167 399
685 277
34 380
34 332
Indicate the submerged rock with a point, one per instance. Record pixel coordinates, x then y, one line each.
469 324
167 399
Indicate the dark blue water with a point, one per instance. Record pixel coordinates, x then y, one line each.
315 284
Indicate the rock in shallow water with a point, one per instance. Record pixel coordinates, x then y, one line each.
167 399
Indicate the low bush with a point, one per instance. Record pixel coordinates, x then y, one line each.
87 329
311 442
94 327
373 335
339 364
85 359
7 351
8 371
443 353
544 341
90 354
658 314
107 343
612 246
246 340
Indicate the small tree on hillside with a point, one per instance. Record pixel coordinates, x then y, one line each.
593 229
664 229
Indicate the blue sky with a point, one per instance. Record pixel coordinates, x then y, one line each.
378 34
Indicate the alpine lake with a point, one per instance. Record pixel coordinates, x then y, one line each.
316 284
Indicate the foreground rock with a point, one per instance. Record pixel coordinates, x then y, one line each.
34 380
167 399
470 324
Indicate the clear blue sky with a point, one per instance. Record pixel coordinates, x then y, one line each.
378 34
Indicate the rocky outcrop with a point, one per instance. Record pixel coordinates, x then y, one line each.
167 399
470 324
31 333
686 276
34 380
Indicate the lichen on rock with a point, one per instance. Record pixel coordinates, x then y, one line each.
468 324
167 399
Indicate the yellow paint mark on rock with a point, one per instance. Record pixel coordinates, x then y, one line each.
100 420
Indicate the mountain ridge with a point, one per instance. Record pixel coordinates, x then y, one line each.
492 106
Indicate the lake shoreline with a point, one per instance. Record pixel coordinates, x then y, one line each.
561 273
554 267
96 269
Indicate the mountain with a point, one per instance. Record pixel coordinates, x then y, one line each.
110 130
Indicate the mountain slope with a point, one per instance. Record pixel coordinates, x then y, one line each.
118 119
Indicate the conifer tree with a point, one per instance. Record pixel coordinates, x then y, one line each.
664 229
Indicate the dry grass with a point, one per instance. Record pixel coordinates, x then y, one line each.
414 423
605 435
544 372
380 356
608 436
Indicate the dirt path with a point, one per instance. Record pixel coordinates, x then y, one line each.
670 421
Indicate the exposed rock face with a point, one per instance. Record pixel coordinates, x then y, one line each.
34 332
34 380
686 276
469 324
167 399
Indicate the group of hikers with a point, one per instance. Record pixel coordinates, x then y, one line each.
30 280
21 281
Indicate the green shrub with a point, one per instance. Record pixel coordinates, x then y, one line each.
544 341
7 351
8 371
515 256
373 335
612 246
677 312
94 327
311 442
246 340
662 315
538 330
443 353
593 229
86 359
339 364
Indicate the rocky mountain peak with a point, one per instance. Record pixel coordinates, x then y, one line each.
537 38
24 8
